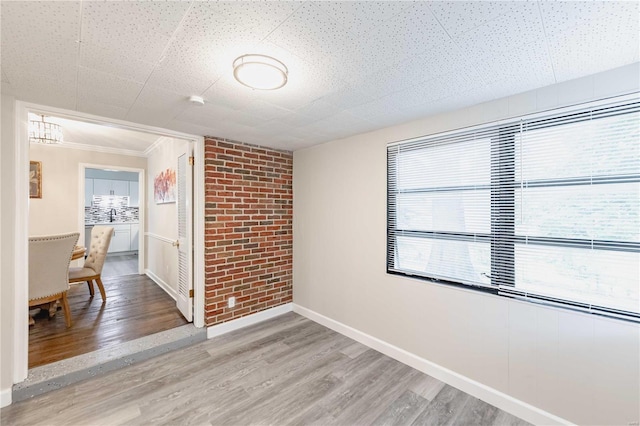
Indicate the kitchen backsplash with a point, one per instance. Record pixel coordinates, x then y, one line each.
100 211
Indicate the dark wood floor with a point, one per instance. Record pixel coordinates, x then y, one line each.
285 371
135 307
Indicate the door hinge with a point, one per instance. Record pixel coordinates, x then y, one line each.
191 293
192 161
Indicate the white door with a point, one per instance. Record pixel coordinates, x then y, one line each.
184 300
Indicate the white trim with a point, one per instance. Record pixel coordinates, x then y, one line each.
163 285
492 396
21 247
159 237
198 233
96 148
21 327
236 324
5 397
155 145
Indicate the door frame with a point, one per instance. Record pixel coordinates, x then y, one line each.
21 247
142 209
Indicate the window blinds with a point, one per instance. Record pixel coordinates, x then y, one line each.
545 207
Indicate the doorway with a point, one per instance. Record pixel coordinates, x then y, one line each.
22 224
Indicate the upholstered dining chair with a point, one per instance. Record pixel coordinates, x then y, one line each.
92 269
49 258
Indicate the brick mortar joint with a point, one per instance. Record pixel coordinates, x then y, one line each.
231 141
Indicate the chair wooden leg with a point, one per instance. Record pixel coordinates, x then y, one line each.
91 289
67 310
101 288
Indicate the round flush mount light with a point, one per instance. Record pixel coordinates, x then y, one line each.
260 72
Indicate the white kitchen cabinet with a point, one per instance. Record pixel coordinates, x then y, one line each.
134 198
134 237
88 192
110 187
121 238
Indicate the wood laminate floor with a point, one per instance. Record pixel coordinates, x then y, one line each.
135 307
285 371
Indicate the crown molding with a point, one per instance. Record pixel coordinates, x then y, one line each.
95 148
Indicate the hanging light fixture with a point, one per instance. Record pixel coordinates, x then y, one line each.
260 72
41 131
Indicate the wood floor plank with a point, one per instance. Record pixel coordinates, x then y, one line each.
285 371
135 307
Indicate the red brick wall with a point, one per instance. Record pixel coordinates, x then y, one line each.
248 229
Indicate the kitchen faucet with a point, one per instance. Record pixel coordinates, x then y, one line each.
112 213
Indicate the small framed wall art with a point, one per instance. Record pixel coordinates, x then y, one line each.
35 179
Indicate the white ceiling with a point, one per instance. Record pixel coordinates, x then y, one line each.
353 66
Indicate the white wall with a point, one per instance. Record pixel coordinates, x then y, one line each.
162 219
7 212
580 367
58 210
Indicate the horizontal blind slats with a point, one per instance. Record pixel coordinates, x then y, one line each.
485 206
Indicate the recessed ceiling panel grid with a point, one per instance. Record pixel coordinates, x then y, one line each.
458 17
30 22
360 17
107 88
310 34
139 30
509 31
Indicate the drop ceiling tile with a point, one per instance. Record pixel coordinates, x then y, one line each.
43 89
458 17
409 33
587 50
106 88
157 107
50 56
208 115
597 16
311 34
29 21
265 110
90 105
139 30
258 17
530 63
149 17
348 97
383 111
523 26
359 17
113 62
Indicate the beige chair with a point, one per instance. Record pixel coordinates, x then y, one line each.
49 258
98 247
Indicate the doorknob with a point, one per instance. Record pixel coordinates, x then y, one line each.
176 243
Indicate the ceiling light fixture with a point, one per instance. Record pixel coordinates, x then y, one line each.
260 72
41 131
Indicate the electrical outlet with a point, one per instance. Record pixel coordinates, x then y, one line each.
231 302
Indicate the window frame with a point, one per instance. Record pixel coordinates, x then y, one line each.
503 237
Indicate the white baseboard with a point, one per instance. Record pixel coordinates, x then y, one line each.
492 396
5 397
163 285
236 324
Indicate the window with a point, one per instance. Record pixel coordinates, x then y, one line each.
544 208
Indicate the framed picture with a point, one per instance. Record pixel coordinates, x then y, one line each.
35 179
164 187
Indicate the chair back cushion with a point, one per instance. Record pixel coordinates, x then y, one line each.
49 258
98 247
